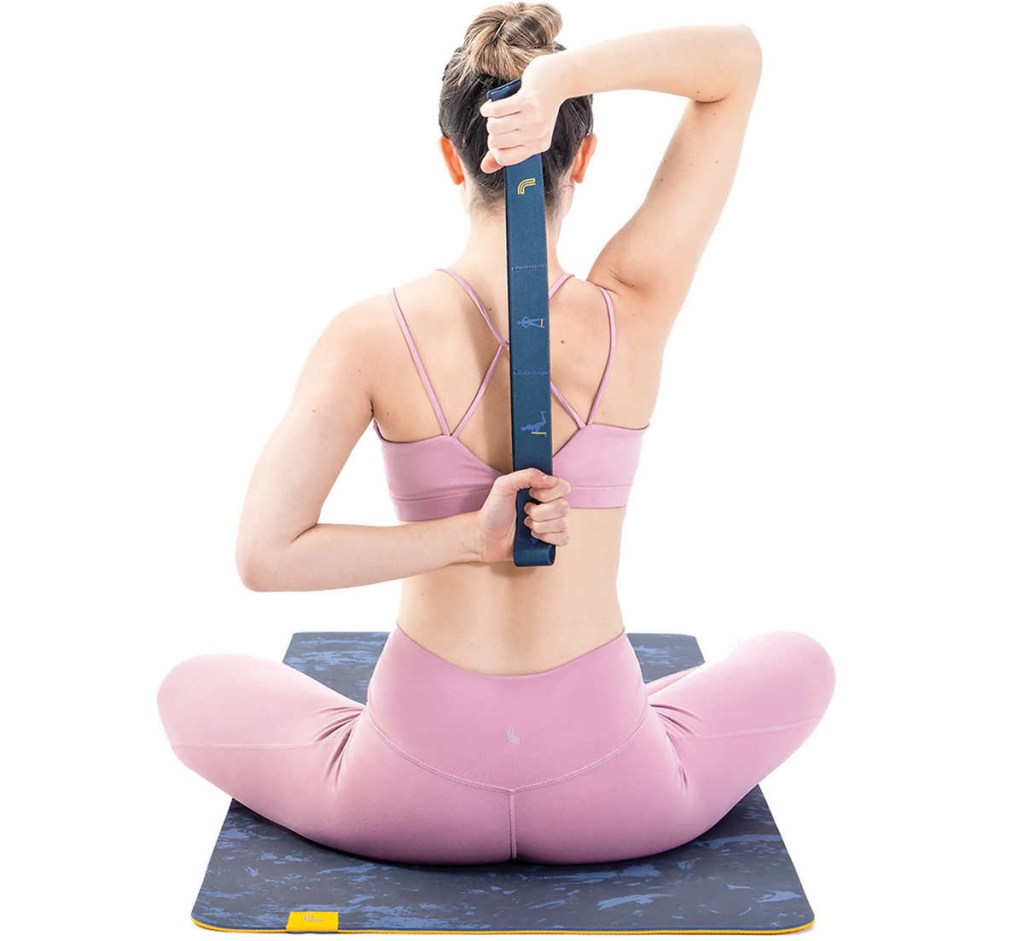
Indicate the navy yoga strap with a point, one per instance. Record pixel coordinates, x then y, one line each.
526 255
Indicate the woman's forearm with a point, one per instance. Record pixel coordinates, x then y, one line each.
699 62
344 555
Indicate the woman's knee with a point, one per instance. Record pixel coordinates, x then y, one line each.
801 662
186 691
813 662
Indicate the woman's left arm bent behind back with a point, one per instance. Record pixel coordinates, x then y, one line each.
282 545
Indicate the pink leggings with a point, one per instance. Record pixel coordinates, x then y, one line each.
582 763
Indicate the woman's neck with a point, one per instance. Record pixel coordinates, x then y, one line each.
486 244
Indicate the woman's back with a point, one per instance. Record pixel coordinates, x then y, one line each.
502 621
439 476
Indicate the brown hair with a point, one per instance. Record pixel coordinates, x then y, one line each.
496 49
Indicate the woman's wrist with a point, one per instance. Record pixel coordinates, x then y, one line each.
557 72
465 538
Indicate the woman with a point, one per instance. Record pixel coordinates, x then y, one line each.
507 717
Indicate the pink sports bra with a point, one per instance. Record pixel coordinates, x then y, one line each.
439 476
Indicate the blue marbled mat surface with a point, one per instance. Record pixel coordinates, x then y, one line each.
736 877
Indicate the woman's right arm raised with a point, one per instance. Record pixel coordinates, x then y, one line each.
653 257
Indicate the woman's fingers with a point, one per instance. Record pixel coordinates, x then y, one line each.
559 488
547 511
503 157
548 518
551 530
499 130
540 527
515 130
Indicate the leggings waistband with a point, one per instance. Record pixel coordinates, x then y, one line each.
506 730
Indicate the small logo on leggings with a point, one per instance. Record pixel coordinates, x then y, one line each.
512 737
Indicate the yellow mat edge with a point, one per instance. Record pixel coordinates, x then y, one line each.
448 931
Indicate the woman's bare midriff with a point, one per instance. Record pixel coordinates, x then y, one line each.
506 619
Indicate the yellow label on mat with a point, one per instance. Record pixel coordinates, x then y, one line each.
312 921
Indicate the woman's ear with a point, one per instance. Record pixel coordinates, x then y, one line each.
452 161
581 161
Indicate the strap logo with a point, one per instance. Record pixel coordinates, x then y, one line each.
535 428
305 921
529 181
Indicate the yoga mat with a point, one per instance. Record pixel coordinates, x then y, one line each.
736 878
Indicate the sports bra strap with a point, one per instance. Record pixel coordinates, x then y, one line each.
436 405
479 393
554 287
565 404
419 362
611 353
483 311
479 304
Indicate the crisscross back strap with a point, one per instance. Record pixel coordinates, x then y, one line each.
421 369
607 368
419 362
479 393
503 346
483 311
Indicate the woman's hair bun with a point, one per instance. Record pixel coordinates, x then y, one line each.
503 39
498 46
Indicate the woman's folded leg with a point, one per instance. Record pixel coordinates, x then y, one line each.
309 759
736 719
263 732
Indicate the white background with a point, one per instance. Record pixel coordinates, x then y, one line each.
191 191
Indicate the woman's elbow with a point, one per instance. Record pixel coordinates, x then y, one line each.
754 50
253 570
